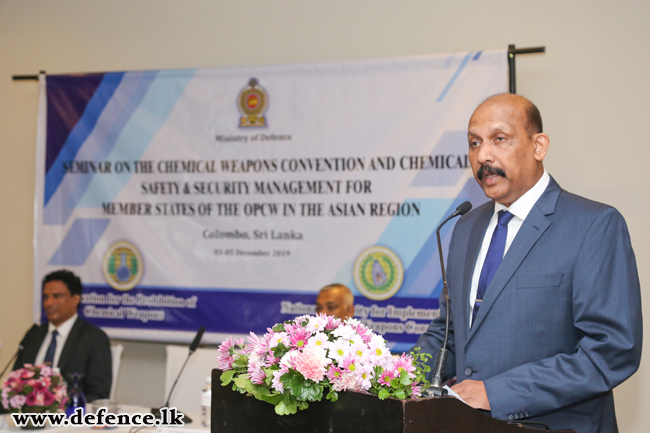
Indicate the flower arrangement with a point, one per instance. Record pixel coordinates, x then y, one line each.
34 389
307 358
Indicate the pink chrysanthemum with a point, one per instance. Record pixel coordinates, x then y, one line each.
346 382
387 376
26 374
35 399
416 390
60 393
298 336
225 363
348 363
405 363
276 384
227 347
260 345
48 398
17 401
256 373
39 386
332 323
364 332
312 363
333 373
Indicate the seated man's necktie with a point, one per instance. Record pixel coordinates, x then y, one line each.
49 355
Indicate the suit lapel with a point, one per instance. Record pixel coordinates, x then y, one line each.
473 248
532 229
31 350
70 343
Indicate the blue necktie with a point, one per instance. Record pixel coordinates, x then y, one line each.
492 259
49 355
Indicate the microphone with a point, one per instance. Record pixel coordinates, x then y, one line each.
436 389
193 347
21 347
196 341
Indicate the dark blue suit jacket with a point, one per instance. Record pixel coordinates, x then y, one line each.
560 324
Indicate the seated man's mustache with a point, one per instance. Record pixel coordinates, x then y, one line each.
488 169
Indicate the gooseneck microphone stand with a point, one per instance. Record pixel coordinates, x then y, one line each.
436 389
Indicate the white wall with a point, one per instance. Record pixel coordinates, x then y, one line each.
591 87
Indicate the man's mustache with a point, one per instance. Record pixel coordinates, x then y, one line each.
488 169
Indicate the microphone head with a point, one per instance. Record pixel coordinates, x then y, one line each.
464 208
197 339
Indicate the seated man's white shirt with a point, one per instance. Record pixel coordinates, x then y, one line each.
64 330
520 209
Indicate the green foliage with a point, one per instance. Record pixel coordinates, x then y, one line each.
226 377
280 350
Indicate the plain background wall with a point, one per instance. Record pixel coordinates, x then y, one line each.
591 87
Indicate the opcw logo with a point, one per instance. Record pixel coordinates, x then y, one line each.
252 103
378 273
122 266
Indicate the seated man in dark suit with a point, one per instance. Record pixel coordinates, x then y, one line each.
67 342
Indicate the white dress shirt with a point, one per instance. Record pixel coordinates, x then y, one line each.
520 210
64 330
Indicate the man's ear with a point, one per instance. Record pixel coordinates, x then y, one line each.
77 299
541 143
351 310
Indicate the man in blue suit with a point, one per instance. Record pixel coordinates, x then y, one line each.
545 298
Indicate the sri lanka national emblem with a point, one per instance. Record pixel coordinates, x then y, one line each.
253 101
378 273
122 266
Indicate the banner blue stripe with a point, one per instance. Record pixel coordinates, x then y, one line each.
150 116
98 145
79 242
82 129
454 77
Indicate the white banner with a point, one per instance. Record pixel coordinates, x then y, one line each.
228 197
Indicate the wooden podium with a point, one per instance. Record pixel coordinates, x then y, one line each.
233 412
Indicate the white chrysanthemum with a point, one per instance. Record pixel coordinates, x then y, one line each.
277 338
347 333
359 349
316 324
377 346
363 374
338 349
318 340
353 322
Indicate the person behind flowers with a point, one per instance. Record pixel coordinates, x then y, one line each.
335 300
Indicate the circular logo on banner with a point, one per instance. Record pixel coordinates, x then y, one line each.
122 266
378 273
